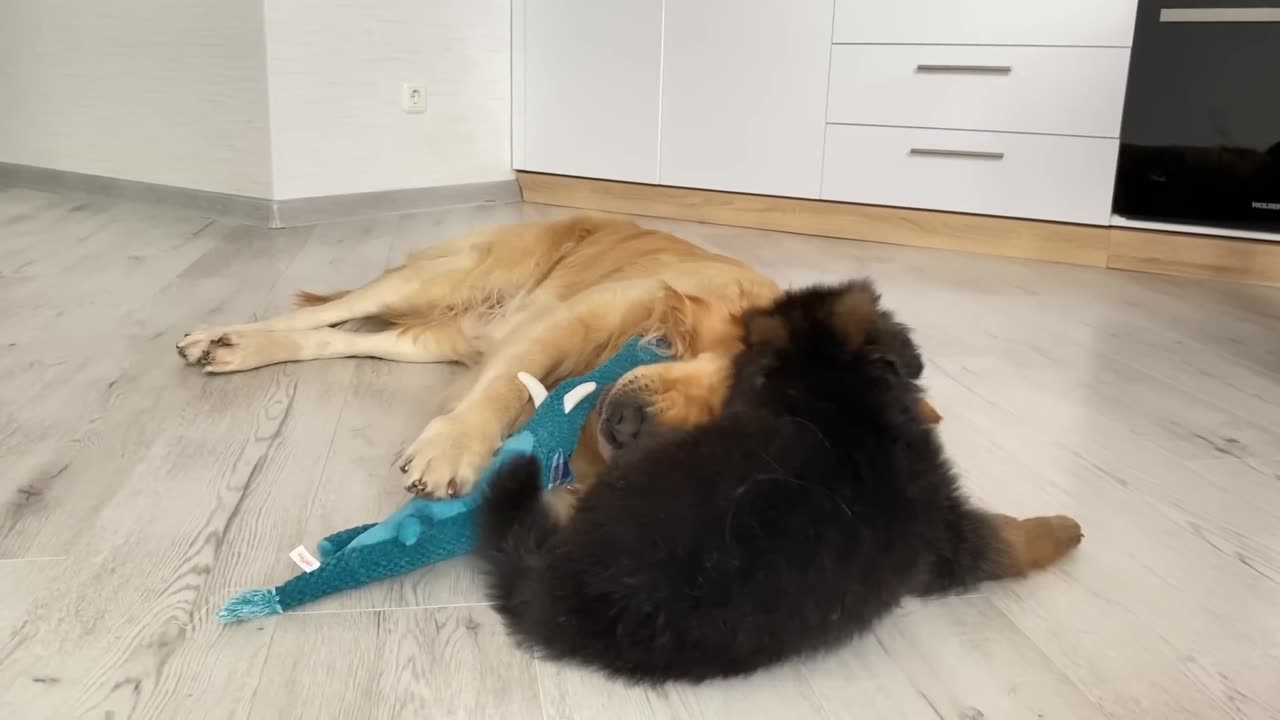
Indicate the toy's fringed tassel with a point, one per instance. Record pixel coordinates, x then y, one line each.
250 605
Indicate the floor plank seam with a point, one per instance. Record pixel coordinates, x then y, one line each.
266 655
443 606
537 682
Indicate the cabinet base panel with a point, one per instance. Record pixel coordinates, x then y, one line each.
1166 253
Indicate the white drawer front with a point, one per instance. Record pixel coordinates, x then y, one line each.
1047 177
986 22
1065 91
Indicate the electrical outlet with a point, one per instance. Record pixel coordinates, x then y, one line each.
413 98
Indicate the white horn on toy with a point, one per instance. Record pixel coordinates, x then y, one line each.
576 395
536 392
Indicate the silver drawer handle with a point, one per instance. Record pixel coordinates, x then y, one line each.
993 69
957 153
1219 15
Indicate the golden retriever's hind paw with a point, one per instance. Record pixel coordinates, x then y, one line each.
223 355
234 351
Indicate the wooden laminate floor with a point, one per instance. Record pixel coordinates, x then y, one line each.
137 493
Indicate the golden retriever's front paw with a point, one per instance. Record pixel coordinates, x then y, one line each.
195 345
446 459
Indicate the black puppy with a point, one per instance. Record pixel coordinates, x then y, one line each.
808 508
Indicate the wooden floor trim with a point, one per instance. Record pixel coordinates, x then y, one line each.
1208 256
1188 255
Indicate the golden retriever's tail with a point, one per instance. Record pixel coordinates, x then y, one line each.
306 298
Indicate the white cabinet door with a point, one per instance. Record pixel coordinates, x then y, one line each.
585 77
744 89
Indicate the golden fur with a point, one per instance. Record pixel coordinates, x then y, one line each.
549 298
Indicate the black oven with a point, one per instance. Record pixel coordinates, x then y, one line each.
1200 141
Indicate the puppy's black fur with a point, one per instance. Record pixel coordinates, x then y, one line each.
806 510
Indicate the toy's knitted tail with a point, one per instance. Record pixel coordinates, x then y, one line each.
261 602
445 539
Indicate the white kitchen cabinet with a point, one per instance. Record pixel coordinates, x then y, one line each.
744 89
586 79
999 107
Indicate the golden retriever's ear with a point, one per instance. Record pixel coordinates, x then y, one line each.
761 328
853 313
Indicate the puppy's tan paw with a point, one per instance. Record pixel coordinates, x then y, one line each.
1047 539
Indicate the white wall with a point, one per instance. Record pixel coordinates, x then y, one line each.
335 71
161 91
175 92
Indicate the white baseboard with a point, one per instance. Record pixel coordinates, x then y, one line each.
263 212
235 208
328 208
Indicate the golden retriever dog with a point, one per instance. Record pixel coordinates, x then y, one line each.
552 299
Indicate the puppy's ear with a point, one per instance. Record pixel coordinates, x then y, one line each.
762 328
929 412
853 313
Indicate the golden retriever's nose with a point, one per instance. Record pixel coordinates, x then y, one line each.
625 415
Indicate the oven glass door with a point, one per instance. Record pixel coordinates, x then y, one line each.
1200 141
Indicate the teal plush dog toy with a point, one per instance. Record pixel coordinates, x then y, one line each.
426 531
